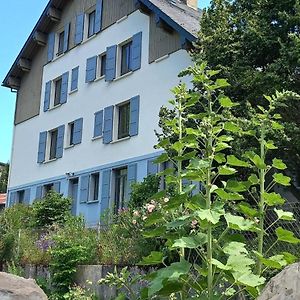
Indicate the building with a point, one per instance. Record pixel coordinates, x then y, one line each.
90 81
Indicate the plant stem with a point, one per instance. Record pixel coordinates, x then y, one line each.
261 204
208 206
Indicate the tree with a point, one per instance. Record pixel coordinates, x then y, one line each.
256 45
4 178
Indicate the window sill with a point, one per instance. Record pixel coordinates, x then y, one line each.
89 38
69 147
123 76
72 92
97 138
121 140
49 161
92 201
99 78
161 58
122 19
54 107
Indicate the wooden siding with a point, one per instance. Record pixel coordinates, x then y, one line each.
115 10
161 42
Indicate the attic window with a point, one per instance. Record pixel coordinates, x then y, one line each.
91 24
61 38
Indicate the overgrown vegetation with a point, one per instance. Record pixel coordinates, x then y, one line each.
4 178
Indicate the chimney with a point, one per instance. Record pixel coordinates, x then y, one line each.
191 3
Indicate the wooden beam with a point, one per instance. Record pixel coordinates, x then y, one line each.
162 24
14 82
54 14
142 7
24 64
40 38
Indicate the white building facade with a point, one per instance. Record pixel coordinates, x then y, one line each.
91 80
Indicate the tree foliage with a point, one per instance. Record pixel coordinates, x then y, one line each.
256 45
4 178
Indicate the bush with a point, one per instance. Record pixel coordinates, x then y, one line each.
53 209
122 243
141 192
74 244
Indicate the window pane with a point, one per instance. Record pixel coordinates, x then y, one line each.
57 92
53 144
103 65
95 178
21 196
125 60
71 134
91 24
121 188
123 130
61 43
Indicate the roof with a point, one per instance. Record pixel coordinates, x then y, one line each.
2 199
179 16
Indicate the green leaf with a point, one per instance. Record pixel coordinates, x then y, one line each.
273 199
220 265
221 146
274 262
277 126
228 196
162 158
154 258
282 179
191 242
235 248
238 223
237 186
220 158
178 146
290 258
221 83
270 145
247 210
224 170
234 161
226 102
210 215
284 215
181 221
251 280
232 127
259 163
157 232
253 179
279 164
287 236
198 164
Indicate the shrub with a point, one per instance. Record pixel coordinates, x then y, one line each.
74 244
141 192
53 209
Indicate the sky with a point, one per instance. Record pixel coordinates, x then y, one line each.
14 31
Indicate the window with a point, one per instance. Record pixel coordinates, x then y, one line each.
102 60
91 29
57 94
94 187
125 58
71 133
21 195
120 188
48 188
61 38
53 143
123 121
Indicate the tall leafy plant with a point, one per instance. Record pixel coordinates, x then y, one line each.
206 227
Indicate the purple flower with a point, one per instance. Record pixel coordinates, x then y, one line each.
44 243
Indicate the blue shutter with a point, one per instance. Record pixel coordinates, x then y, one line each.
39 192
108 124
79 27
134 116
105 191
47 96
136 53
131 177
84 188
152 167
42 147
27 193
98 125
12 199
51 43
56 186
77 136
60 141
74 80
111 61
91 69
66 37
64 88
98 16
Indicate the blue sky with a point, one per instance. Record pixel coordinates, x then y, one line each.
14 32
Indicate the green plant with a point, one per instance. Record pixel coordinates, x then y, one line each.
52 209
122 242
79 293
74 244
143 191
15 269
214 262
